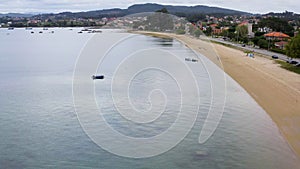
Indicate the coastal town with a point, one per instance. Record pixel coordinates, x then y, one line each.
271 31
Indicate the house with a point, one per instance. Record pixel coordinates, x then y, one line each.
281 45
276 36
213 26
217 31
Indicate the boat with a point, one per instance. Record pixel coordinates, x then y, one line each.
187 59
85 30
191 60
40 31
80 32
31 32
95 31
97 77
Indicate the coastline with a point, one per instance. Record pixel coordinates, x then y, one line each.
275 89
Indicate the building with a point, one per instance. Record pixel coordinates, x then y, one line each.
276 36
264 29
281 45
217 31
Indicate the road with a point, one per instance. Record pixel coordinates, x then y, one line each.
256 50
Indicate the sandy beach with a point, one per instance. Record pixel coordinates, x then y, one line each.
275 89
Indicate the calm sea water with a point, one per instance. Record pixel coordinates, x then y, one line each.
39 127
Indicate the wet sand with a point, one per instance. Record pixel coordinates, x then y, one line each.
275 89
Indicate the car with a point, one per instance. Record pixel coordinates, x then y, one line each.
243 45
290 61
275 57
297 65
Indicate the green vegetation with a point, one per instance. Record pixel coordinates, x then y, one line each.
180 31
293 47
208 31
278 50
288 66
277 24
225 44
163 10
262 43
242 32
195 17
197 33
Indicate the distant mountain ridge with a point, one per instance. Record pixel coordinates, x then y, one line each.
286 15
16 15
149 7
182 9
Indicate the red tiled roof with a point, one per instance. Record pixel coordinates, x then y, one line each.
277 35
213 25
243 23
281 43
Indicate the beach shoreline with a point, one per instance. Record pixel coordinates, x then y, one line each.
275 89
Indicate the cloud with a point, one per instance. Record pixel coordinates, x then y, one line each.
255 6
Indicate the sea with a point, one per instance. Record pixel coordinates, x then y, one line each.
160 105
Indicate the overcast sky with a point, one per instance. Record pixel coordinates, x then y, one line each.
46 6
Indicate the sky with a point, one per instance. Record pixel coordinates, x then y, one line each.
55 6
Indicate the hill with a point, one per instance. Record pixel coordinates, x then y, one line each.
183 9
14 15
149 7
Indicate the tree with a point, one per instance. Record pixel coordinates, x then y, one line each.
208 31
180 31
163 10
277 24
257 38
195 17
293 47
262 43
242 32
197 33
